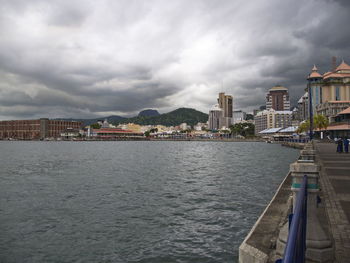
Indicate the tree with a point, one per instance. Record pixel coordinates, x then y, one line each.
147 133
249 117
321 122
95 126
153 130
303 127
243 129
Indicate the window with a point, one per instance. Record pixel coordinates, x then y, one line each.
317 95
337 93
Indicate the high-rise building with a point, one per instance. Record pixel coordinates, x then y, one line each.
303 107
220 115
225 103
239 116
278 99
215 118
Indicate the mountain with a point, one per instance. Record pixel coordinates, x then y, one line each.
148 113
173 118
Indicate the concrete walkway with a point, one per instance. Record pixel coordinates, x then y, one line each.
335 185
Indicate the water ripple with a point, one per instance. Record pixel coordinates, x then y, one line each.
143 202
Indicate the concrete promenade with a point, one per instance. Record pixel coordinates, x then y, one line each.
335 186
328 235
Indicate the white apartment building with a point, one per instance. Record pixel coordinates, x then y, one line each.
271 118
215 118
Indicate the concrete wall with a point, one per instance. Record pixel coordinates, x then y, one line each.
259 245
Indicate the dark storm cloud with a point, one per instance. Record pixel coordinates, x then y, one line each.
87 58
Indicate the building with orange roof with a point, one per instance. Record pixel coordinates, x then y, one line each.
331 109
341 125
335 84
330 92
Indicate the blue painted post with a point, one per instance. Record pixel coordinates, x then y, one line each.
296 242
310 111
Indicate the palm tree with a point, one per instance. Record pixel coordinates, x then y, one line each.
321 122
303 127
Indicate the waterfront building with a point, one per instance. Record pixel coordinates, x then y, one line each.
278 99
225 103
330 109
133 127
184 126
35 129
105 124
268 119
279 134
220 115
303 107
238 116
71 133
344 116
162 128
122 126
199 126
215 118
315 82
112 133
145 128
340 127
331 91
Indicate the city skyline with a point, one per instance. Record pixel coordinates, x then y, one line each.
82 59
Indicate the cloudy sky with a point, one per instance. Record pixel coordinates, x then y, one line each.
98 58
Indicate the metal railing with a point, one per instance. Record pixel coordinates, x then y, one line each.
306 140
296 242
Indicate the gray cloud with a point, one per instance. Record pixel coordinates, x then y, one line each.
87 59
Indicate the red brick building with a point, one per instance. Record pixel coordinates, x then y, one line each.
35 129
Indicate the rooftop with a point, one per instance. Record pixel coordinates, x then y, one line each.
338 101
278 87
271 130
346 111
343 66
314 73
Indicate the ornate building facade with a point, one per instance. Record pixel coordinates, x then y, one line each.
330 90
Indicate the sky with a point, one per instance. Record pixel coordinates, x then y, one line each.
86 59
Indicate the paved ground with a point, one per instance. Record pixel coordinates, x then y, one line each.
335 185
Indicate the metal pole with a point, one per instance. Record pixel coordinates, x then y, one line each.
311 131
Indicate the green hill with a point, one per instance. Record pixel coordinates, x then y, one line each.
173 118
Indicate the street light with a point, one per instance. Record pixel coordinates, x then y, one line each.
311 131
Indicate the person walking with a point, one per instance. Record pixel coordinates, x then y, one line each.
339 145
346 145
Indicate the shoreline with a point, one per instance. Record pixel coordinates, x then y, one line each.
143 139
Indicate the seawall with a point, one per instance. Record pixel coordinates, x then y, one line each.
296 145
266 241
260 244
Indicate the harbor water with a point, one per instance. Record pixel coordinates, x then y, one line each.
131 201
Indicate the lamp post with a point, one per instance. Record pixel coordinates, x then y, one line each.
311 130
